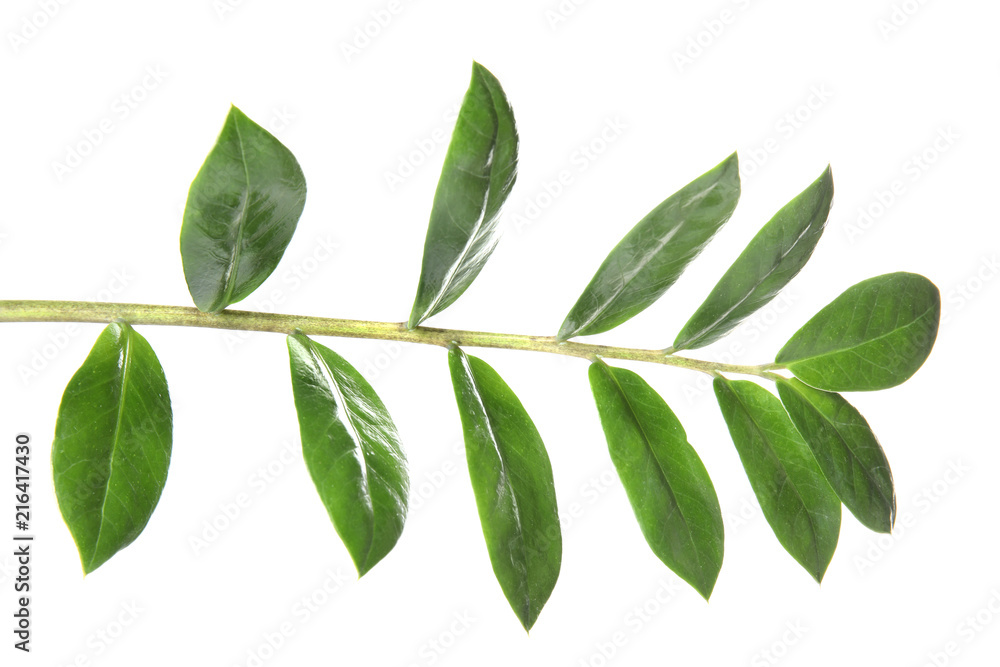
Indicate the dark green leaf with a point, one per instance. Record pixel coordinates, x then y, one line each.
241 212
512 481
775 255
112 444
846 450
873 336
795 498
666 483
479 172
351 449
655 252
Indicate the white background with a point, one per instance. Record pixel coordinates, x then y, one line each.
865 94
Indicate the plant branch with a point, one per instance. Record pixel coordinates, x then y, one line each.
242 320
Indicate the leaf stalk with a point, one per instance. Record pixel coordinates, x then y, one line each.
241 320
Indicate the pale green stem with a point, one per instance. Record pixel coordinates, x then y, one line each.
241 320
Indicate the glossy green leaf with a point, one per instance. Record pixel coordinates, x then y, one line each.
351 449
873 336
241 212
655 252
112 444
512 481
775 255
666 482
479 172
795 498
846 449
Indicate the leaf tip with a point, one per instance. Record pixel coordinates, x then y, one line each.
478 69
732 163
235 112
705 588
527 617
362 568
825 179
91 565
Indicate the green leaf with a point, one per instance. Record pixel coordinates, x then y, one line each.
655 252
512 481
241 212
775 255
112 444
846 450
479 172
351 449
873 336
796 499
666 483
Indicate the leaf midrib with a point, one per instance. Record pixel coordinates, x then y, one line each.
750 292
481 222
237 251
646 439
638 267
851 348
115 437
864 469
349 419
519 525
762 433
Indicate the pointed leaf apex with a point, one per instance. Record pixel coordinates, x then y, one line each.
479 170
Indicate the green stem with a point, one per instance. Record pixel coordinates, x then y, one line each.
242 320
